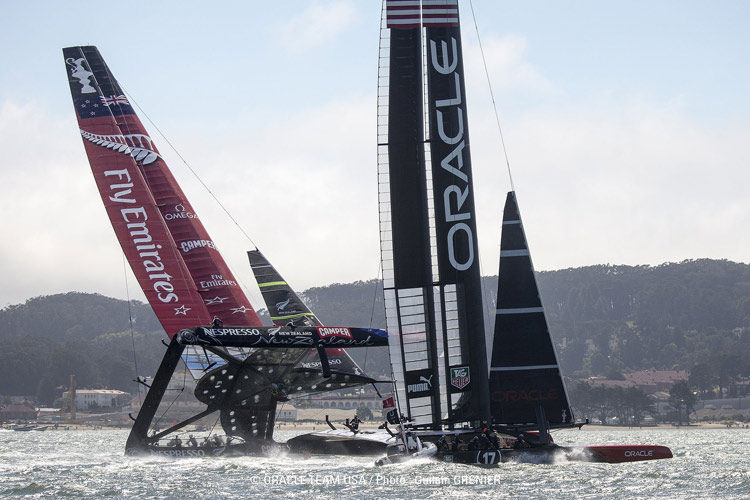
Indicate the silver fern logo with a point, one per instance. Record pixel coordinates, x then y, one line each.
139 146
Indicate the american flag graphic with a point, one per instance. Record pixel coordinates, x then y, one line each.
416 13
114 99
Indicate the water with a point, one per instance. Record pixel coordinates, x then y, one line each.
708 464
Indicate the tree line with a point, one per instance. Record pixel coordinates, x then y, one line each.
604 320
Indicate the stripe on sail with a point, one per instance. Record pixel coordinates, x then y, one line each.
514 253
520 368
520 310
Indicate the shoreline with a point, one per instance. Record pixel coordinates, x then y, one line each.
371 426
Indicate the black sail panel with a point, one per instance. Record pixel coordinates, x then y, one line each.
455 215
524 372
411 246
431 277
286 308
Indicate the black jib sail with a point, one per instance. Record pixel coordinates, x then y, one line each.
524 373
428 232
315 369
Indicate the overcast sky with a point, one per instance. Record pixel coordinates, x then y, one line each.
627 127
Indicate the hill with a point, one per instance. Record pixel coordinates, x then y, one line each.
605 320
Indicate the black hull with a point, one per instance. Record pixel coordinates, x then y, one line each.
340 443
259 449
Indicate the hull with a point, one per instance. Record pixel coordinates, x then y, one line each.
258 449
341 442
553 454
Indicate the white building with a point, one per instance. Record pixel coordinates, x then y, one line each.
99 398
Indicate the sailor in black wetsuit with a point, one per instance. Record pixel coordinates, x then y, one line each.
520 442
473 444
441 444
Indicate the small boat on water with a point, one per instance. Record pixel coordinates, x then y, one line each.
23 427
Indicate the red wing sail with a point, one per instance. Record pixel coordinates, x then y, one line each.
214 281
137 221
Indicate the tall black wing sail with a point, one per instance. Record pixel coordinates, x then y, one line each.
432 285
286 308
524 372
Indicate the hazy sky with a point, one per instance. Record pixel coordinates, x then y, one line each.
627 126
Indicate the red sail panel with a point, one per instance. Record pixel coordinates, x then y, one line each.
216 284
137 222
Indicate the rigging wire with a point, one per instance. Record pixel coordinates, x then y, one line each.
205 186
492 96
130 320
487 315
195 174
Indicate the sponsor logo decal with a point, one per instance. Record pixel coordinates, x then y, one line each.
460 377
136 220
460 238
324 331
139 146
317 364
525 395
179 453
179 213
424 385
82 74
186 246
419 383
216 280
280 306
639 453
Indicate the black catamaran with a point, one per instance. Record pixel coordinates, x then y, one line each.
242 369
435 312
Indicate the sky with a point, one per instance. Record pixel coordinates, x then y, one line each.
626 124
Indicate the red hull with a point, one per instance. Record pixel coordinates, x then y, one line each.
628 453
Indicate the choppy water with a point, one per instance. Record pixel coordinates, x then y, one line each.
708 464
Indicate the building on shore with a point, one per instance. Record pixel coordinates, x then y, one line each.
18 411
649 381
89 399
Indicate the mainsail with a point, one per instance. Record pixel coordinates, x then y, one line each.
96 94
214 281
432 285
140 228
524 373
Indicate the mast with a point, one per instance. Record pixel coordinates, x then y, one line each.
432 285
